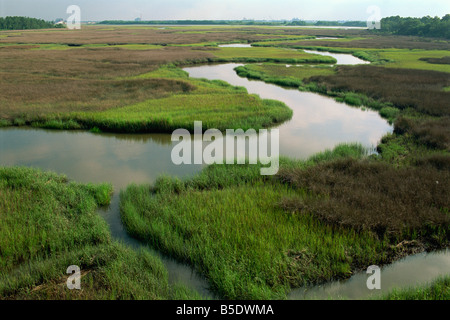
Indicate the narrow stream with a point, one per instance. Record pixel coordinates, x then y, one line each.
318 123
341 58
120 159
413 270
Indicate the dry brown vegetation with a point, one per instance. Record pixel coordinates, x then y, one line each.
376 196
39 97
147 35
171 35
420 90
97 63
431 133
405 88
443 60
378 42
66 76
38 82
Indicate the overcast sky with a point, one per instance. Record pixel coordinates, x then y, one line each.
222 9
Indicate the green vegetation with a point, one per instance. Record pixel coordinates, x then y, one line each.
57 46
421 120
416 59
218 104
286 42
423 59
443 60
438 289
368 55
268 55
404 88
340 23
48 224
425 26
255 237
22 23
298 77
282 75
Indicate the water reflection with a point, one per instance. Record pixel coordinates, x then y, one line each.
235 45
318 122
87 157
341 58
413 270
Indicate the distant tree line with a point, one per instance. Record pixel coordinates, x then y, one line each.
344 24
296 22
424 27
22 23
191 22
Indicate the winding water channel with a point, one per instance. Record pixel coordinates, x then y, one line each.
318 123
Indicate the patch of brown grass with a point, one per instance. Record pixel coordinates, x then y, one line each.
443 60
375 196
433 133
143 35
405 88
37 82
378 42
35 96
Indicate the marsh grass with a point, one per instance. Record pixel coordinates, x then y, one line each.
364 40
299 77
255 237
100 94
269 54
438 289
414 100
405 202
48 223
404 88
282 75
216 103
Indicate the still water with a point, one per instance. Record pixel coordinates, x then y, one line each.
235 45
413 270
341 58
318 122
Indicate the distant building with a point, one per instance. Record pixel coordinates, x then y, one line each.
138 19
59 21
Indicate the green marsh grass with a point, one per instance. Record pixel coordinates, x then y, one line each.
281 74
413 59
233 225
269 54
216 103
176 102
438 289
48 223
